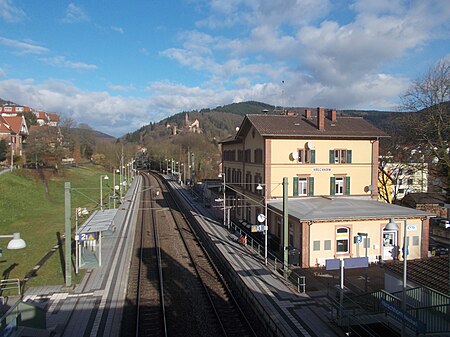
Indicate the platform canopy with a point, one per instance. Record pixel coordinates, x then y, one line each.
99 221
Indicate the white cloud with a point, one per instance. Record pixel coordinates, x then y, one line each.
23 47
118 87
60 61
75 14
117 29
322 60
2 72
11 13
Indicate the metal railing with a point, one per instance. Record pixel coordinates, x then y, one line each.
10 284
299 281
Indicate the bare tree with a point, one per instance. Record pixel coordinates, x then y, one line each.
428 99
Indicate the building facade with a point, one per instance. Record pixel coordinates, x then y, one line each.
324 157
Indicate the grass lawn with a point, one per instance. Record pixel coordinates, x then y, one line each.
32 203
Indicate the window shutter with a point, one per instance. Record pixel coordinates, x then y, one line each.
349 156
295 185
313 156
311 186
347 185
331 156
332 185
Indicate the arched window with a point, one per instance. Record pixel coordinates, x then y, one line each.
342 240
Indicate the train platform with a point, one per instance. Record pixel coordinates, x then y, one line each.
93 307
290 312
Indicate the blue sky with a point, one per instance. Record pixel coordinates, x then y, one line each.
118 65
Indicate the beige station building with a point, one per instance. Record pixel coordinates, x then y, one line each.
328 167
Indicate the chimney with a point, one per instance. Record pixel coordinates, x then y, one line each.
332 116
321 118
307 113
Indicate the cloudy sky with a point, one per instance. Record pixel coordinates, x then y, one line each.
118 65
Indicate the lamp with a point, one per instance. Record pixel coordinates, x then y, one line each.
105 177
260 188
391 226
15 243
222 175
394 227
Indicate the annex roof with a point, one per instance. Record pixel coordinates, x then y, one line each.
99 221
431 272
328 209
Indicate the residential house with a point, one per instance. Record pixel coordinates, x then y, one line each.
435 203
53 119
13 110
331 168
42 118
396 180
14 130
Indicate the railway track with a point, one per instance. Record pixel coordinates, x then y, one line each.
175 288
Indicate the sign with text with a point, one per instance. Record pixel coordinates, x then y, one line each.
349 263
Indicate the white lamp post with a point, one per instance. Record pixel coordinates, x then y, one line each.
12 154
115 187
393 226
101 190
15 243
260 188
222 175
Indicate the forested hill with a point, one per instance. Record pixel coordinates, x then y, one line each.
221 122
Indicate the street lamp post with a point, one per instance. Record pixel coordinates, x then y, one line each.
12 154
266 227
115 187
393 226
222 175
101 189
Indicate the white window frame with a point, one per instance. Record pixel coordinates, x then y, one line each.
302 186
342 236
339 186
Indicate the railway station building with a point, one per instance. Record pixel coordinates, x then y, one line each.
330 166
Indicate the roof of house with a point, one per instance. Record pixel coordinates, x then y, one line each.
432 272
412 199
53 117
343 208
297 125
13 124
4 126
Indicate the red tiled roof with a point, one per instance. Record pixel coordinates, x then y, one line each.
298 125
15 123
53 117
4 126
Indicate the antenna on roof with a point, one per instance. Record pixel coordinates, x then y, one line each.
282 97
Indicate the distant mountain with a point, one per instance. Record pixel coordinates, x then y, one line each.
3 102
